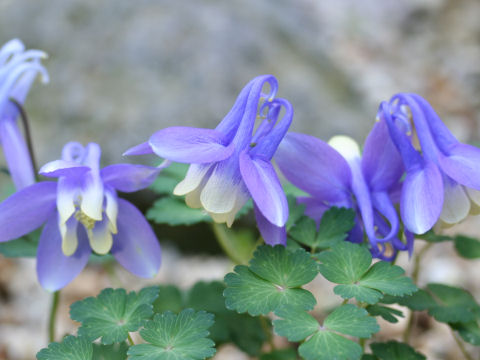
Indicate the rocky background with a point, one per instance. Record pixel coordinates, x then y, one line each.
121 69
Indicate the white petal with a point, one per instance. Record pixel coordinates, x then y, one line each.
92 196
474 196
228 218
192 180
192 199
111 209
68 231
456 204
346 146
66 195
100 237
219 194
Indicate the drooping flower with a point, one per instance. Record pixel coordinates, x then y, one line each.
231 163
18 70
82 212
442 179
335 174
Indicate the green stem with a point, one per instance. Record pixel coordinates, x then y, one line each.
345 301
114 279
130 340
362 342
53 316
415 274
464 351
222 239
416 265
28 134
268 331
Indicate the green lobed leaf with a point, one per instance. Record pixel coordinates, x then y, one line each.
247 292
26 246
385 312
334 226
325 345
296 211
304 231
169 298
283 354
362 294
244 331
175 337
110 352
71 348
169 178
323 342
389 279
467 247
345 263
174 211
394 350
351 320
283 268
273 280
430 236
295 324
452 304
113 313
418 301
348 264
470 332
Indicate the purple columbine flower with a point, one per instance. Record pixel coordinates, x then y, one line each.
442 179
82 213
231 163
335 174
18 70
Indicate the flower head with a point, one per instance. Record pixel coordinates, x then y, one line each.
442 179
231 163
336 174
18 70
83 213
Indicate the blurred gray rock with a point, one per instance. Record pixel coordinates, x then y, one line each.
123 69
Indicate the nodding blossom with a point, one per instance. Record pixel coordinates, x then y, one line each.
82 212
442 179
336 174
18 70
232 163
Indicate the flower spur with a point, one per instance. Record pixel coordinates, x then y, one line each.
18 70
231 163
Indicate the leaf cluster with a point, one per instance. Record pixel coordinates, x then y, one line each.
114 313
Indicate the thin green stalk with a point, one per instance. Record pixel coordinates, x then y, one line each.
28 133
461 346
53 316
415 274
268 332
416 265
130 340
362 342
222 239
114 279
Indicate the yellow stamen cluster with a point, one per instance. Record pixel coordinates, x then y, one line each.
87 221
